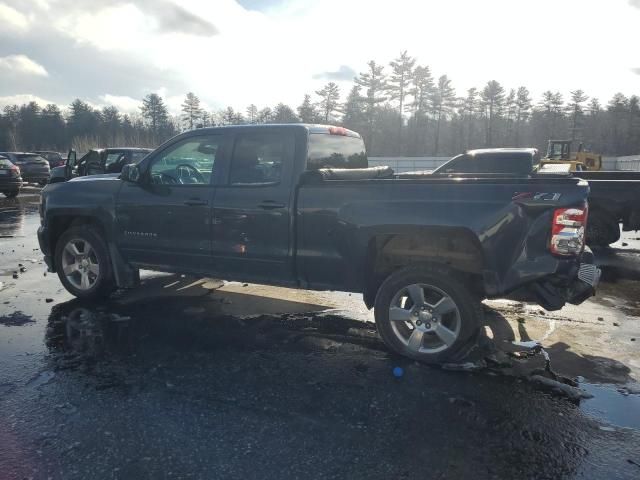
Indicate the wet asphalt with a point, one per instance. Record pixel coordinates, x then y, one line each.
162 383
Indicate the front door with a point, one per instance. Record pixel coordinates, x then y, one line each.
252 213
164 221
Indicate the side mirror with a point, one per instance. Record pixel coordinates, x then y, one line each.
130 173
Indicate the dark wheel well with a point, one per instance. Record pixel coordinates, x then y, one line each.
455 249
62 223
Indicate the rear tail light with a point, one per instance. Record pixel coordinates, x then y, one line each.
568 230
15 170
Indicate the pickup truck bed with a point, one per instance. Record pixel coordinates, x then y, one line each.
295 205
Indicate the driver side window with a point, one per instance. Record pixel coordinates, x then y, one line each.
188 162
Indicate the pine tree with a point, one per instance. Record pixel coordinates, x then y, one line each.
155 113
374 82
399 81
252 114
265 115
510 113
493 101
523 109
353 108
574 108
284 114
422 90
443 101
111 124
53 127
191 110
470 106
329 100
228 116
307 111
617 110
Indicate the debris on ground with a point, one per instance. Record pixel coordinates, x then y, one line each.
465 367
572 393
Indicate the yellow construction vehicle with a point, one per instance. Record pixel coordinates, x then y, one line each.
559 152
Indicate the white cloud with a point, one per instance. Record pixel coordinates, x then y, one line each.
23 98
279 54
21 64
12 18
122 102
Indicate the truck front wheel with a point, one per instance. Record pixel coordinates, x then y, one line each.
427 314
83 264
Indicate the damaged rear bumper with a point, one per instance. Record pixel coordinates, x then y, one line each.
575 288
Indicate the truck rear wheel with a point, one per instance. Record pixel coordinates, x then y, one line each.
601 230
427 314
83 264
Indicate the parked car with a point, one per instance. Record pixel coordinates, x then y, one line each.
296 205
97 161
55 159
10 179
33 168
614 196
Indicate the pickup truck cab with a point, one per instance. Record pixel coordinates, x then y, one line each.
97 161
295 205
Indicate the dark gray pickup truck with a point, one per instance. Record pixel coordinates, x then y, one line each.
296 205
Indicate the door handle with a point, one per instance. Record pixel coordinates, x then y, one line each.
271 205
195 202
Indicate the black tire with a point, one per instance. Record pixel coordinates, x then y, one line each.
469 312
602 230
11 194
104 282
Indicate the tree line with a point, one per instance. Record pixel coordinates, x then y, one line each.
401 108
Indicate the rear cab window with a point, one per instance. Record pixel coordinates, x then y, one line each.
336 148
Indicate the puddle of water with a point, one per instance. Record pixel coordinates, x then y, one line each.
611 406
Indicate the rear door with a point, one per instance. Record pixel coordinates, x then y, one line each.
252 220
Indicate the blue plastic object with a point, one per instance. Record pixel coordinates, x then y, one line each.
398 372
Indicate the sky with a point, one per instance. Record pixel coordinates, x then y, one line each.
238 52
